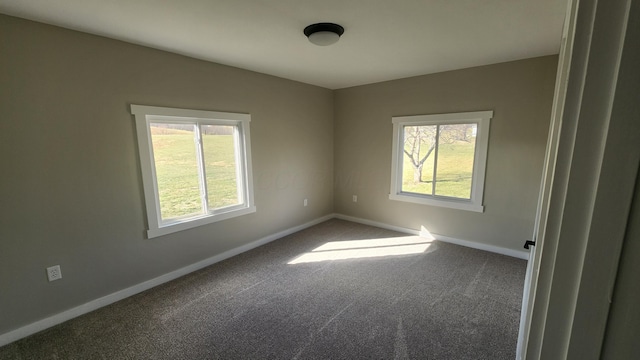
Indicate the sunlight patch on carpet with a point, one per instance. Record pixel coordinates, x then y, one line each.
369 248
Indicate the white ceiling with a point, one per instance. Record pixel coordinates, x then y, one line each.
383 39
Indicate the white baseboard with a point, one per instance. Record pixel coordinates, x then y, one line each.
377 224
122 294
59 318
472 244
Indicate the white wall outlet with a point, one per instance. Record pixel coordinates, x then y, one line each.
54 273
355 198
305 202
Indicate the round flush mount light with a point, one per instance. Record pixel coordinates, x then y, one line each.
323 34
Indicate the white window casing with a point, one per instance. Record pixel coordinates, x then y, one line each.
475 202
144 116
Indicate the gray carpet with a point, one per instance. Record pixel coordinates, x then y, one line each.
446 302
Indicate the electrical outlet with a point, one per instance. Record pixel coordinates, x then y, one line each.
54 273
305 202
355 198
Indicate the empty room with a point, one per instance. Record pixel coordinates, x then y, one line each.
292 179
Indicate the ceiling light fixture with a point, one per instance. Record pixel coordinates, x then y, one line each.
323 34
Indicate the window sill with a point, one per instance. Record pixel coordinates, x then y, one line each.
441 202
195 222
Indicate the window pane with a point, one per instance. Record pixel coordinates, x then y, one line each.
174 153
419 153
456 149
220 165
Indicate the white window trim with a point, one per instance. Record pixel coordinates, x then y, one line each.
144 115
482 118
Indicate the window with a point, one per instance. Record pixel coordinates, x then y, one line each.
196 166
440 159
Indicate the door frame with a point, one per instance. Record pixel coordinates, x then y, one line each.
542 211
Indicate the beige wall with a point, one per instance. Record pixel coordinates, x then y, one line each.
520 93
71 191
